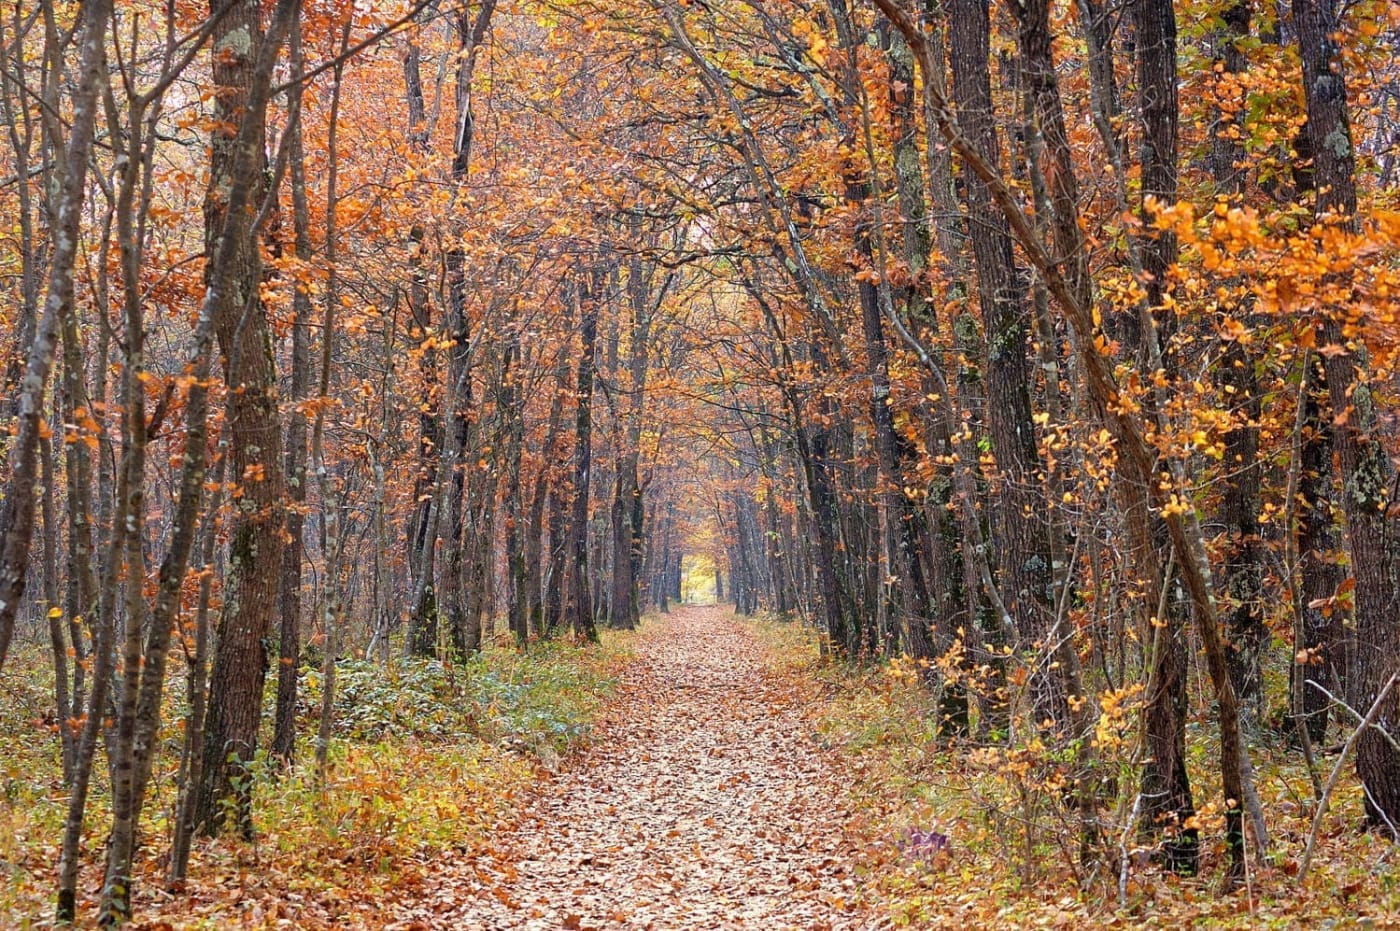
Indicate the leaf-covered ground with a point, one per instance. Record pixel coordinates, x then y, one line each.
704 803
427 758
728 780
1013 859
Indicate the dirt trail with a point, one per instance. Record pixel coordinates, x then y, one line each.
704 804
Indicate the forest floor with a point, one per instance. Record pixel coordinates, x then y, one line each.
704 772
703 803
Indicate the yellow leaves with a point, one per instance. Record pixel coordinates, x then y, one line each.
1232 330
817 44
310 407
904 670
1176 506
1116 712
84 430
1177 218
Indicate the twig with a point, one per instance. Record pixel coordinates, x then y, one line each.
1337 772
1123 854
1395 835
1355 714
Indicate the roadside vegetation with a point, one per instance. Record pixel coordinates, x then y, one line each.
1011 857
428 757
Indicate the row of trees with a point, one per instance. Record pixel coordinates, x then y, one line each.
290 370
1076 348
1049 345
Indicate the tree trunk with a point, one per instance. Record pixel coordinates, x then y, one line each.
289 632
1025 578
1324 647
543 613
906 534
17 511
243 60
627 495
196 693
1367 472
517 560
1240 499
579 609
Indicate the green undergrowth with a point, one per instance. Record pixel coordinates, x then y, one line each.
1012 859
427 757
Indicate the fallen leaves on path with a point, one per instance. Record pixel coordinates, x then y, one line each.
703 804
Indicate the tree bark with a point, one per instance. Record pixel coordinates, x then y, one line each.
17 511
579 609
627 506
243 63
289 632
1240 498
1367 472
1025 577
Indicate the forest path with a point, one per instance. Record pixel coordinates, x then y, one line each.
703 804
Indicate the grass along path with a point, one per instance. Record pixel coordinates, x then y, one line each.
703 804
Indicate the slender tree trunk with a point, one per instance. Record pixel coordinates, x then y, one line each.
332 606
892 452
289 633
17 511
1166 791
1240 499
196 690
53 611
1324 646
143 673
463 623
1137 480
517 560
82 590
627 497
421 635
539 563
16 518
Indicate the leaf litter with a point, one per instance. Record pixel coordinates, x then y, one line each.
702 804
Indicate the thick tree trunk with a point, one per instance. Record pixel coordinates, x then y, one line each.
242 72
1025 577
1367 472
579 609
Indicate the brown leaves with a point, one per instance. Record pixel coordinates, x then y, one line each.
703 805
